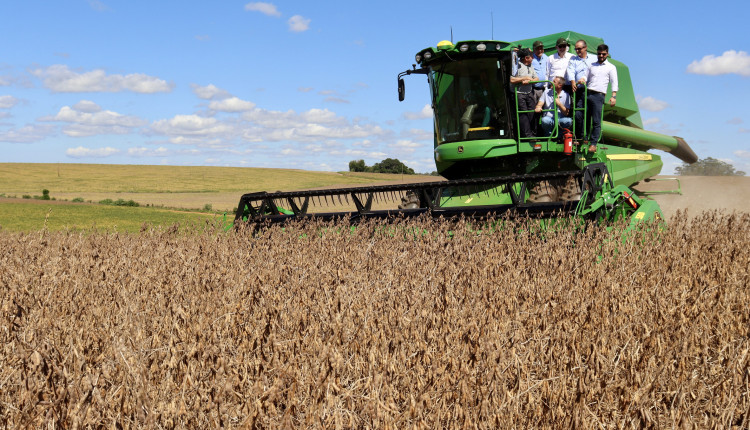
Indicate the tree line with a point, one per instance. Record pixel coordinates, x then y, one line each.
389 165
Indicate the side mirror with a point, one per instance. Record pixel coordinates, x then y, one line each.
401 90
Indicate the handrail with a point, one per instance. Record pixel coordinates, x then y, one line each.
518 112
574 109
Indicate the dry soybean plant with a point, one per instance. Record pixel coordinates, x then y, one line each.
381 326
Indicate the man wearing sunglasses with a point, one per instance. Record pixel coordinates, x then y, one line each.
578 70
558 63
600 75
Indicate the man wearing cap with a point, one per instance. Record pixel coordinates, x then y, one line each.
578 70
521 79
600 75
558 63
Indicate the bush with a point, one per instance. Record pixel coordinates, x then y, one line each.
119 202
208 207
26 196
392 165
77 200
45 194
708 167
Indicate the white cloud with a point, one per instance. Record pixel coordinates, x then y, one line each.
232 104
7 102
59 78
87 106
82 152
88 119
426 112
190 126
264 8
373 155
291 152
651 104
742 153
27 134
743 130
651 121
405 146
298 23
729 62
321 116
210 92
140 151
735 121
418 134
304 89
335 100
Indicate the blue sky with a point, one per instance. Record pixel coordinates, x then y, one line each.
312 85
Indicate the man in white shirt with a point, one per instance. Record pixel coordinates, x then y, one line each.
600 75
557 64
578 70
555 97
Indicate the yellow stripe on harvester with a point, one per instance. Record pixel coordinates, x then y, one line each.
481 128
638 157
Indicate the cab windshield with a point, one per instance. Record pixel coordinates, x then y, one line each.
469 100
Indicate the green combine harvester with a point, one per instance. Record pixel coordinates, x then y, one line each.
489 169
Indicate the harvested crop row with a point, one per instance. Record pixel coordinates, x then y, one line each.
384 326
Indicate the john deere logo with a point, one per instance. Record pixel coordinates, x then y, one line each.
460 149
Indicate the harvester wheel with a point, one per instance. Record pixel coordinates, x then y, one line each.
542 192
409 201
570 190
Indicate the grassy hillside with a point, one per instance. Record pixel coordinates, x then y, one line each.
158 189
171 186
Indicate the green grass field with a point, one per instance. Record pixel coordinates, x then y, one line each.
18 215
159 187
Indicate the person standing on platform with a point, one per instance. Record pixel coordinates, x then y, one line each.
600 75
558 64
522 80
578 70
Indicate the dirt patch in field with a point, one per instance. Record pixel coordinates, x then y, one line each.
700 193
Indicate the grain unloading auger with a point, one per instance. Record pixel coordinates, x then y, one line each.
491 170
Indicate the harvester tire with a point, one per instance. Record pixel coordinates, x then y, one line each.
542 192
570 190
409 201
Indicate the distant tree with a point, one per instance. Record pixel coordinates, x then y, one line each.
708 167
392 165
357 166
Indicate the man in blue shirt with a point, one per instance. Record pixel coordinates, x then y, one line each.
539 61
578 70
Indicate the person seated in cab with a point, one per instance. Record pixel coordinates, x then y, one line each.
555 97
